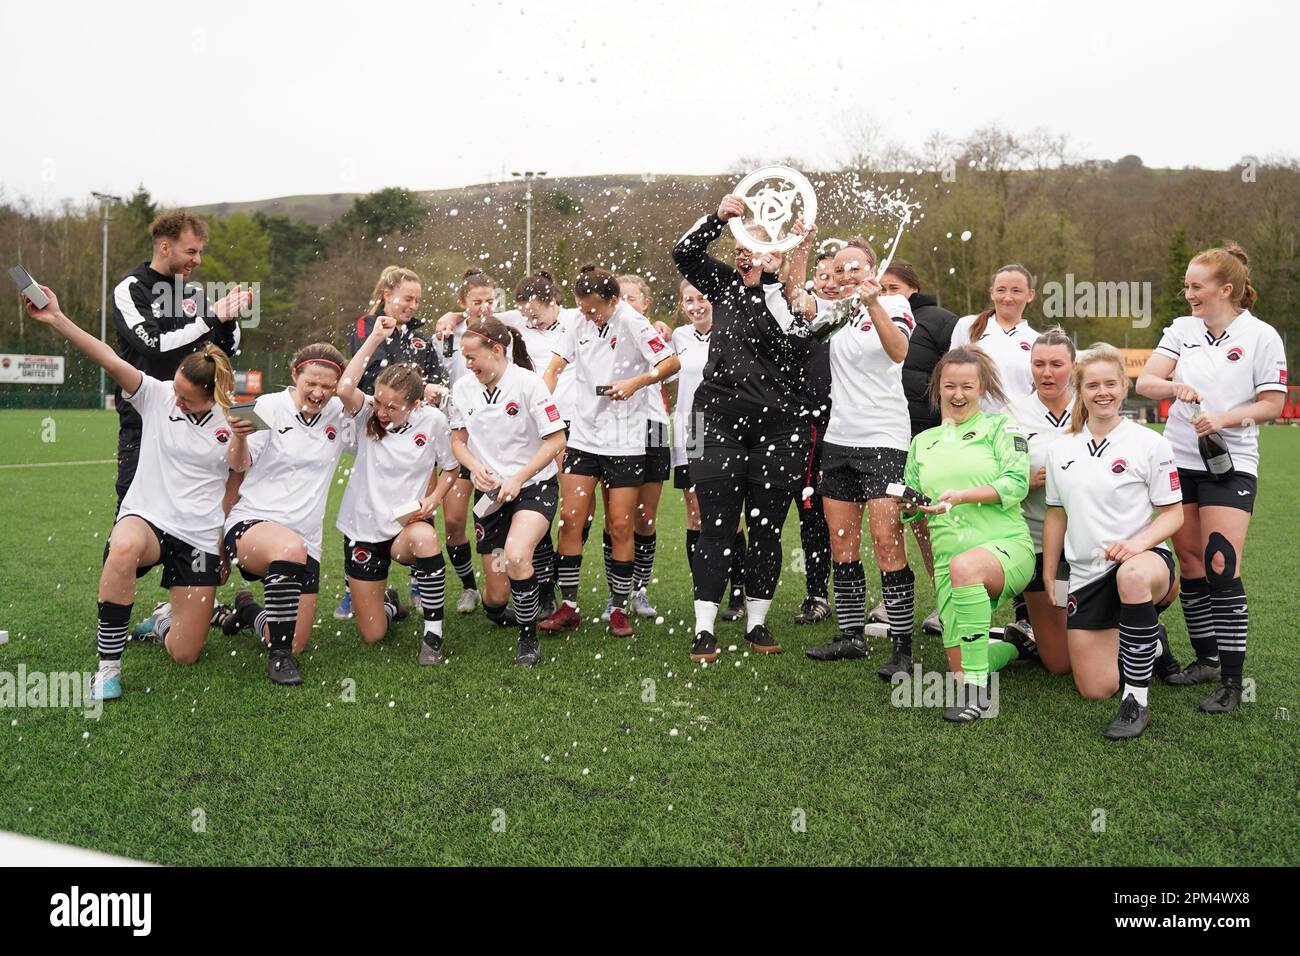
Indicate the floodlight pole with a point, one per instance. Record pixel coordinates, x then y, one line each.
105 200
528 176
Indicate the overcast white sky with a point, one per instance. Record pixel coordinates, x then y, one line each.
250 100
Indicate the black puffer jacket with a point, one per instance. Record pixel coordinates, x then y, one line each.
405 345
930 340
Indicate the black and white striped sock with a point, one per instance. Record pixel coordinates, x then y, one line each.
524 593
620 581
431 576
390 608
462 562
609 554
570 573
1198 615
900 605
281 588
110 634
1231 620
544 562
1139 643
643 560
850 583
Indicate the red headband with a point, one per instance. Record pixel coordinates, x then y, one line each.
323 361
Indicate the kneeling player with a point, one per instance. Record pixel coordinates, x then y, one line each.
975 469
392 495
171 514
507 432
273 532
1103 479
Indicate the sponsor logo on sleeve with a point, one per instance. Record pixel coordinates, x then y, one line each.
656 345
1281 377
552 413
1175 484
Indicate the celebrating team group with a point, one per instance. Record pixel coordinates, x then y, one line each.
852 397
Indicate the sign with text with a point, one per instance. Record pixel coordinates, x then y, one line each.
31 369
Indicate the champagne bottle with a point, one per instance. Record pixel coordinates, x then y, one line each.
1213 449
839 315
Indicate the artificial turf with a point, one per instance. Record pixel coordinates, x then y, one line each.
612 751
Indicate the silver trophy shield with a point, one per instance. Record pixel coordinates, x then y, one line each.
774 197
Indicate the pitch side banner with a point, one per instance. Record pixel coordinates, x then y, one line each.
31 369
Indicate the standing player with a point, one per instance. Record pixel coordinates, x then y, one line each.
616 352
635 292
508 431
1103 480
171 514
866 451
392 495
974 468
1002 331
160 319
754 445
397 294
1234 365
930 340
273 532
542 322
477 299
1044 417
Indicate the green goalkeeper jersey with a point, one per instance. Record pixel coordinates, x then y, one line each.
983 450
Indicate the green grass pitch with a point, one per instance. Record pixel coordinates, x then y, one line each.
575 761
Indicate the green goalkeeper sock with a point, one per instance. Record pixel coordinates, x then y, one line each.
973 613
1001 653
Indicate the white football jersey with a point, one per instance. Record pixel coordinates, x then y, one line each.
1010 350
868 405
624 347
392 471
293 466
181 476
1108 489
506 424
1247 358
541 349
692 350
1042 428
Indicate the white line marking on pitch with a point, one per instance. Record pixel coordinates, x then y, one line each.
56 464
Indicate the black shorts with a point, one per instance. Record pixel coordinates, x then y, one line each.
491 532
613 471
311 585
1235 491
1095 607
367 560
751 447
1036 582
859 474
464 474
184 566
682 478
658 454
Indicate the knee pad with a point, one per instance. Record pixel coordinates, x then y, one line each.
1216 546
